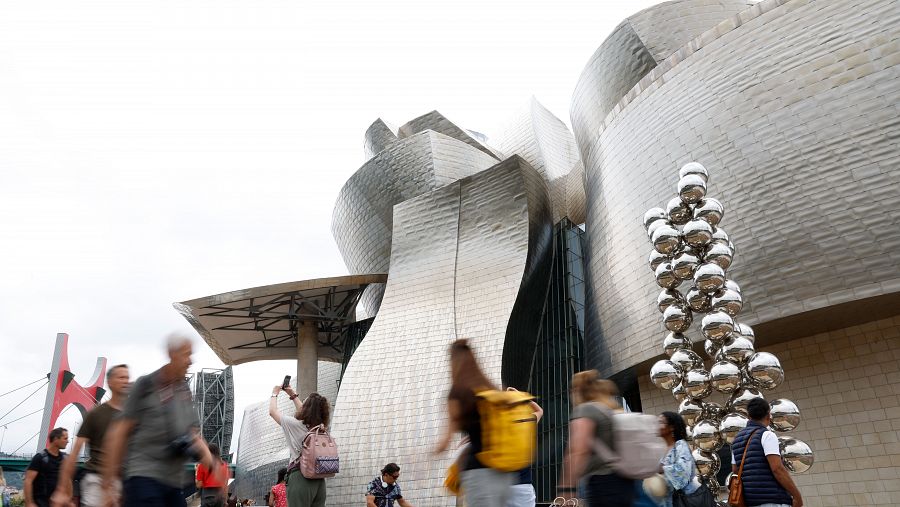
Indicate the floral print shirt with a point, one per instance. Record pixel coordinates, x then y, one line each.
384 495
679 471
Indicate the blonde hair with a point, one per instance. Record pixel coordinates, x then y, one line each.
587 386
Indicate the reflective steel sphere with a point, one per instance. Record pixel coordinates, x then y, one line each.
678 393
698 301
665 277
691 188
739 400
717 326
694 168
656 225
709 210
697 233
706 436
686 359
738 350
679 212
655 259
684 264
765 370
708 463
666 239
677 318
675 341
725 377
731 424
713 484
796 454
720 236
669 297
690 410
720 254
665 374
744 331
713 411
732 285
709 278
696 384
728 301
654 214
785 415
711 348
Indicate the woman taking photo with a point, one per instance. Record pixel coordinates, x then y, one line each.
595 402
301 492
481 486
678 467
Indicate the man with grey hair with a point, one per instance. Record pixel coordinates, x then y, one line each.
157 432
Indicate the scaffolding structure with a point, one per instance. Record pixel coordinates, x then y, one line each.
213 392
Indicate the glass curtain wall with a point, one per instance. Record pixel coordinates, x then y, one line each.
559 355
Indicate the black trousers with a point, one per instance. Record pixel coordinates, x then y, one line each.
609 491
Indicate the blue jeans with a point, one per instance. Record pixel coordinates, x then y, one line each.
147 492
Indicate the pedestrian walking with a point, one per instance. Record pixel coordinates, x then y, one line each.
212 483
311 412
43 471
91 434
384 491
278 494
683 487
522 493
756 459
158 428
594 399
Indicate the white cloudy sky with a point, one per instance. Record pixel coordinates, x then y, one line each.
158 151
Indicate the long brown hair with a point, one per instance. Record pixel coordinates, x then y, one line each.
315 411
587 386
465 374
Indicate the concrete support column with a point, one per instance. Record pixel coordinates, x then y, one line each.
307 359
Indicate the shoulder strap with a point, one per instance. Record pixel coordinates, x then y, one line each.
602 450
746 448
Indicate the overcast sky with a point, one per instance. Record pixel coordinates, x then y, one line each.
159 151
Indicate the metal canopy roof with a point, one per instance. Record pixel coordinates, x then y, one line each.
263 322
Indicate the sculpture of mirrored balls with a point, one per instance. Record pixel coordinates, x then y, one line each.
666 239
765 370
717 326
709 210
694 168
698 301
691 188
785 415
719 254
656 225
678 392
706 436
690 410
685 263
732 285
677 318
711 348
744 331
686 359
796 454
741 398
655 259
725 377
731 424
697 233
675 341
709 277
728 301
708 463
696 384
665 277
738 350
669 297
665 374
720 236
679 212
713 411
653 215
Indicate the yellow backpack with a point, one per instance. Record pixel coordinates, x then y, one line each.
508 429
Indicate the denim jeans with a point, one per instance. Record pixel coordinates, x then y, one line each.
147 492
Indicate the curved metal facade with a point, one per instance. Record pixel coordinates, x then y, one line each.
793 107
462 258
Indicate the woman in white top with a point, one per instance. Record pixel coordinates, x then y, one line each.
301 492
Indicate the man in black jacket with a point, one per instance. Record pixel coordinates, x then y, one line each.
43 471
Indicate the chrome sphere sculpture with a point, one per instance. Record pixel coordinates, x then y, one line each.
655 259
709 210
741 398
677 318
691 189
725 377
684 264
738 350
669 297
655 214
708 463
717 326
686 359
719 254
678 392
690 410
732 285
765 370
665 277
706 436
697 300
694 168
711 348
713 411
697 233
731 424
696 384
744 331
709 277
675 341
785 415
665 374
666 239
796 454
679 212
728 301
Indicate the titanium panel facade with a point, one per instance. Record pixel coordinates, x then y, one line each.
462 257
805 155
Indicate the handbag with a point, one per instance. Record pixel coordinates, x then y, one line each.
735 486
702 497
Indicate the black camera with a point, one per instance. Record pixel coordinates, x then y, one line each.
183 446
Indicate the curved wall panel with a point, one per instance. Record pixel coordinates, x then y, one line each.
378 137
439 123
793 108
460 259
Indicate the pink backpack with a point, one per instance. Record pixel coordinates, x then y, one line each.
319 457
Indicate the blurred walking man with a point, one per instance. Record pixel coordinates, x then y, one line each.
157 430
92 432
43 471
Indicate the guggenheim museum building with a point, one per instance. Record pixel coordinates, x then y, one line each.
532 245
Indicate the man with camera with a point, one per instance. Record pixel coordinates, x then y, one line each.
157 432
